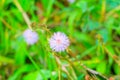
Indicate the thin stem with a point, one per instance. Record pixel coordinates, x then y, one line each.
113 11
6 24
61 67
59 73
36 66
25 16
115 58
87 69
103 11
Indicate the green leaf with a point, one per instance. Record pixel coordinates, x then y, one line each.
82 5
20 52
48 6
18 73
102 67
116 69
36 76
71 21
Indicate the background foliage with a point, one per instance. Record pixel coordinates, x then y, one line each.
93 27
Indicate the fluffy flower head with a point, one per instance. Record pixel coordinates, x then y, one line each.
59 42
30 36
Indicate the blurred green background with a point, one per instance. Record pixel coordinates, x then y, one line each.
93 27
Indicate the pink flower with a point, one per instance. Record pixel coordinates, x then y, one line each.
59 42
30 36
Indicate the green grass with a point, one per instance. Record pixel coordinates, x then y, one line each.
93 27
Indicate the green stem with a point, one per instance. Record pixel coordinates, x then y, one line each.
25 16
36 66
113 11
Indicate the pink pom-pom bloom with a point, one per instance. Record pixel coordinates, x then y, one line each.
59 42
30 36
